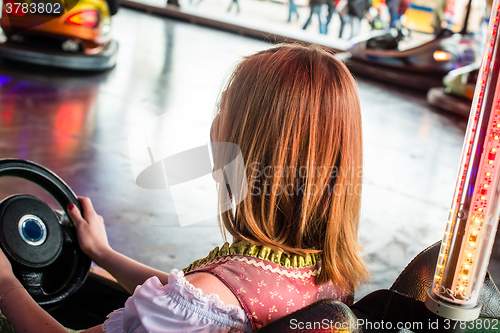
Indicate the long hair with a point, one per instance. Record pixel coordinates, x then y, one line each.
294 112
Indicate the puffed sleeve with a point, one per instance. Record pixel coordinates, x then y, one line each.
175 307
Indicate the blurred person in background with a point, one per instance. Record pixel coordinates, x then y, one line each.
237 6
393 7
380 15
440 18
378 22
476 16
318 7
484 25
331 10
403 7
357 10
292 8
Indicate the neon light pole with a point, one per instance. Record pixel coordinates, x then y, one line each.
473 218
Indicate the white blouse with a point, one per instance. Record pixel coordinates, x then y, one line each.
175 307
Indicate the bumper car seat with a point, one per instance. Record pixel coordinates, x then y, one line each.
388 41
326 315
404 301
417 278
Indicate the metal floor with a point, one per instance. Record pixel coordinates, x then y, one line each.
79 126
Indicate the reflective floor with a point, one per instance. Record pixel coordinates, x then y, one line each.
80 125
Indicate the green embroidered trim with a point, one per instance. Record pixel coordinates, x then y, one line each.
258 251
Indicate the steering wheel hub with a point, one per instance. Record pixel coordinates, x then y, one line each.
32 230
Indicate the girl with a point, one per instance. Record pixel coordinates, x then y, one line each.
294 113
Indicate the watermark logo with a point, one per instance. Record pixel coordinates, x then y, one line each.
168 153
261 179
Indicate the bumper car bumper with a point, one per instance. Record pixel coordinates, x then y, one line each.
406 78
438 97
76 61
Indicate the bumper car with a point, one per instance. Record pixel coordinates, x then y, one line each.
458 91
42 246
422 67
71 34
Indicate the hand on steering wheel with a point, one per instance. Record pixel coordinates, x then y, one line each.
39 243
90 230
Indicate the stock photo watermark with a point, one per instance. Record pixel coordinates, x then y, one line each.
166 153
261 175
360 324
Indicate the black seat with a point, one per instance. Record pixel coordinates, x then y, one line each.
404 301
317 317
417 278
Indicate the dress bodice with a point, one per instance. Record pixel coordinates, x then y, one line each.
268 284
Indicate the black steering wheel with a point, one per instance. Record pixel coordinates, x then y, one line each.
41 243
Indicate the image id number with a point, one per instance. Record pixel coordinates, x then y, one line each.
477 324
20 8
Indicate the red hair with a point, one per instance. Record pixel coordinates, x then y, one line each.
293 108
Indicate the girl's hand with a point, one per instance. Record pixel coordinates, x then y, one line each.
5 268
90 230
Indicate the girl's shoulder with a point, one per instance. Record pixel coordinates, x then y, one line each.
210 284
178 306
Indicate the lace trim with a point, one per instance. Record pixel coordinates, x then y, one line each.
120 322
212 299
261 264
257 251
292 274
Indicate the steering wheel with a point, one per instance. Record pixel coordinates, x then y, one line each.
39 242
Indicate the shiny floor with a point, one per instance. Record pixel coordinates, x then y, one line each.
80 127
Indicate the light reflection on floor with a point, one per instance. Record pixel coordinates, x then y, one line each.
79 128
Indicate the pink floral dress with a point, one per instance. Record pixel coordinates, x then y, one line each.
268 285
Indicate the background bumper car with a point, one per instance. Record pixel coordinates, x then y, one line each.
72 34
458 91
421 67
